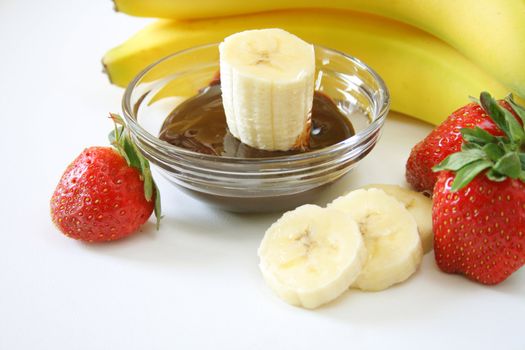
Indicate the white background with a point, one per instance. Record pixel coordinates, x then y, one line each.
195 283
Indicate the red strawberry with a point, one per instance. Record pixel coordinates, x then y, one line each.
443 141
100 197
478 209
479 230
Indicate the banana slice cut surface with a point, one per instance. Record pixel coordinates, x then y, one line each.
390 235
267 83
311 255
419 205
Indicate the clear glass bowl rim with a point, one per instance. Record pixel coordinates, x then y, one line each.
136 128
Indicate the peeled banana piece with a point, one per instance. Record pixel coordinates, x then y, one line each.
489 33
427 78
390 235
267 84
365 239
419 206
311 255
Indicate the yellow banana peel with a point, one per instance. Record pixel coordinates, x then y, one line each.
427 78
490 33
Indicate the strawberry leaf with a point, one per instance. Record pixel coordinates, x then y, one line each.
522 159
143 166
517 135
158 207
493 151
477 135
474 99
467 146
520 111
494 111
132 154
115 138
509 165
481 150
121 139
456 161
495 176
469 172
503 118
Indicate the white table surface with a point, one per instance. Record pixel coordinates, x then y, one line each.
195 283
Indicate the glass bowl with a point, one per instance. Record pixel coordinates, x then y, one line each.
254 184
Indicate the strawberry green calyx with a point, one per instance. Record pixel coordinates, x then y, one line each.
500 156
121 140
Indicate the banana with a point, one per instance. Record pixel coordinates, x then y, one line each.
419 205
427 79
267 84
390 235
311 255
490 33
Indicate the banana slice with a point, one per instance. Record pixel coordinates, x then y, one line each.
390 235
311 255
419 205
267 82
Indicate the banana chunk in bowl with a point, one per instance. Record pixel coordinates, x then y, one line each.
267 82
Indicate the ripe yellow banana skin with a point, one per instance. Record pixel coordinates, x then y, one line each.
427 78
491 33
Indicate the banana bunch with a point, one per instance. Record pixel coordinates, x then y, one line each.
432 54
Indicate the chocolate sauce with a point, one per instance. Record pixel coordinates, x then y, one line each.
199 124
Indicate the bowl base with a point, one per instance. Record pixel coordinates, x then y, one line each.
269 204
